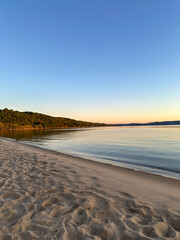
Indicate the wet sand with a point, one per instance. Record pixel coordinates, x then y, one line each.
49 195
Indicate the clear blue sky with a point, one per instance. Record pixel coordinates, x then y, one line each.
95 60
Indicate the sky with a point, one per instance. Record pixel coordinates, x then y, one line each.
105 61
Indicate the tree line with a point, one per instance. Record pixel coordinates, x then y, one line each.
10 119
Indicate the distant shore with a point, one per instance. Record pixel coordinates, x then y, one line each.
26 128
15 120
100 126
52 195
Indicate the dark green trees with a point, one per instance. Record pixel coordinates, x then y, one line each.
10 119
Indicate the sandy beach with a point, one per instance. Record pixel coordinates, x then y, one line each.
49 195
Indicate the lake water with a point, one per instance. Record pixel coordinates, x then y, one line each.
150 149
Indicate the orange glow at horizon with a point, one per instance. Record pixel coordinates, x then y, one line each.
129 118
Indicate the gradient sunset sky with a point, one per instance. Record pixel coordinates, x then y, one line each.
104 61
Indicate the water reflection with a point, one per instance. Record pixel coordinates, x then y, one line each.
35 134
152 149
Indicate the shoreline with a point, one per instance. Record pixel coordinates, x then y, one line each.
100 126
58 128
111 164
101 162
88 162
50 195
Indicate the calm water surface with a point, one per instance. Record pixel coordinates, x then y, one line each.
151 149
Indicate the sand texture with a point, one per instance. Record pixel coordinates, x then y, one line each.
47 195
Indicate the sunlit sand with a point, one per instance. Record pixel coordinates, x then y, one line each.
48 195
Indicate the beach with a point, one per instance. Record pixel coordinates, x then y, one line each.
49 195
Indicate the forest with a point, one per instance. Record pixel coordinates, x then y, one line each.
10 119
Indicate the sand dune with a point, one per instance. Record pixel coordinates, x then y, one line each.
46 195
